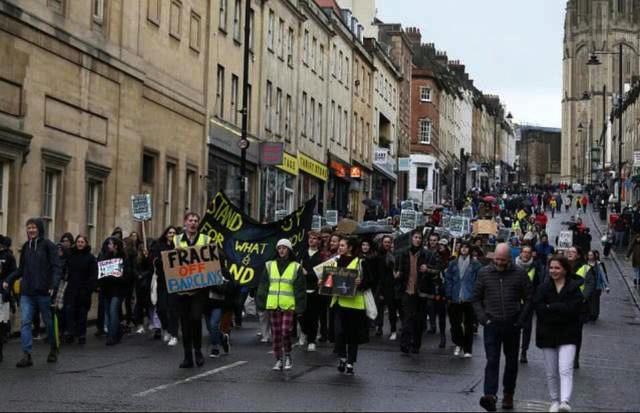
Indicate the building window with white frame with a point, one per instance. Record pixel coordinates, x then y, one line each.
220 92
94 190
222 25
190 191
319 135
270 29
332 121
234 99
50 201
321 62
4 196
304 114
169 192
305 47
313 63
425 94
312 121
425 131
290 47
175 19
237 21
280 45
98 11
269 106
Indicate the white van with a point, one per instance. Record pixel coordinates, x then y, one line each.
576 187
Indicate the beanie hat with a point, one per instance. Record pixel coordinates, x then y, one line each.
285 243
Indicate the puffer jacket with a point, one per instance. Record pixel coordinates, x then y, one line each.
499 295
459 290
559 314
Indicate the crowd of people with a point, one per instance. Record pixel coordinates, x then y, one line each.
493 281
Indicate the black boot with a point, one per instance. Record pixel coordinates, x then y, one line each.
523 357
443 341
1 354
25 362
187 363
199 358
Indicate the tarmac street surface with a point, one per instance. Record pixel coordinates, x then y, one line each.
143 374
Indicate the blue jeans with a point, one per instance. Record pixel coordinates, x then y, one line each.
501 336
637 273
112 316
214 327
29 305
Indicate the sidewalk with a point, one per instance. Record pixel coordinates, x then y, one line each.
616 257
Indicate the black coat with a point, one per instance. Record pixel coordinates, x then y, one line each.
82 269
558 321
429 282
112 286
382 269
308 263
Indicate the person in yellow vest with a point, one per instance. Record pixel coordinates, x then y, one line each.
583 273
282 292
351 323
526 261
191 305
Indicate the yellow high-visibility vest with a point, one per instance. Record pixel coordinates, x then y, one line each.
281 292
582 273
201 241
531 274
356 302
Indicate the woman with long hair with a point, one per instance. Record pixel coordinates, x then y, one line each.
114 288
82 269
602 283
166 312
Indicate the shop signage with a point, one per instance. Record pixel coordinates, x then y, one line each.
271 153
340 170
404 164
141 207
312 167
248 244
289 164
381 156
636 158
356 172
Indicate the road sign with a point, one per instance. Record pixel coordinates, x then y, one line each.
141 207
243 144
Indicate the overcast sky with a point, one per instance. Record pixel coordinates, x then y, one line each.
512 48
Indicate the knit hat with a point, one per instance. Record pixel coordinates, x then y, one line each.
285 243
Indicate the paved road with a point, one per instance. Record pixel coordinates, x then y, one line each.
142 374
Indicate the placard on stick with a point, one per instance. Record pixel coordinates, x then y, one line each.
565 240
338 281
141 207
111 268
191 268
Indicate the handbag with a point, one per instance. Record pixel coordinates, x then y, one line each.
154 289
370 305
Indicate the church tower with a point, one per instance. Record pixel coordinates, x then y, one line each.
594 26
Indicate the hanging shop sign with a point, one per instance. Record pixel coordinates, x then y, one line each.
312 167
289 164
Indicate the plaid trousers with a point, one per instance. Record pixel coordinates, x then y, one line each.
281 326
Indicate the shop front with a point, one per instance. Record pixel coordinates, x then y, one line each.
311 181
384 179
360 190
338 185
278 189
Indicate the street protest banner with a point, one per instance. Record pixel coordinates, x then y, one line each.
248 244
458 226
407 219
141 207
191 268
338 281
565 240
485 227
110 268
504 234
332 217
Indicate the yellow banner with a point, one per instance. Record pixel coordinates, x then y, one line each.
313 167
289 164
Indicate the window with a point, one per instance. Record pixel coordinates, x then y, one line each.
425 131
305 47
332 132
194 32
50 201
234 99
314 46
94 191
312 121
354 133
304 114
346 73
56 5
278 112
287 119
340 67
422 178
290 47
268 105
321 61
270 30
148 169
334 61
4 196
98 11
153 11
220 93
237 19
190 191
319 124
425 94
621 6
339 133
175 23
169 192
251 31
345 133
222 25
281 39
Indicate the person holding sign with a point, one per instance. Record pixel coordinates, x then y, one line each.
351 323
282 293
113 283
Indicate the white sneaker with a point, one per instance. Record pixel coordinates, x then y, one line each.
166 337
467 356
277 366
173 342
393 337
555 407
302 340
311 347
457 351
264 340
140 329
288 364
564 407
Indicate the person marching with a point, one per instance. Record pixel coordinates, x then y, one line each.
459 280
165 302
558 305
527 263
282 292
582 272
351 322
191 305
602 283
386 294
7 266
311 258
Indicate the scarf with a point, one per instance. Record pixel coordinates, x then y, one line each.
524 264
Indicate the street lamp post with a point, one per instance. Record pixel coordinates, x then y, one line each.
244 142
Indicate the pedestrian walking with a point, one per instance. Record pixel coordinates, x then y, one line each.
437 260
553 204
311 258
39 273
529 265
114 289
191 305
583 273
634 254
387 292
558 306
602 283
501 300
220 312
82 270
351 322
459 281
165 305
584 201
412 269
282 292
7 267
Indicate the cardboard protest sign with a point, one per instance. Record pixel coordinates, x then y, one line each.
458 226
111 268
408 219
565 240
338 281
319 269
141 207
485 227
504 234
248 244
191 268
332 217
